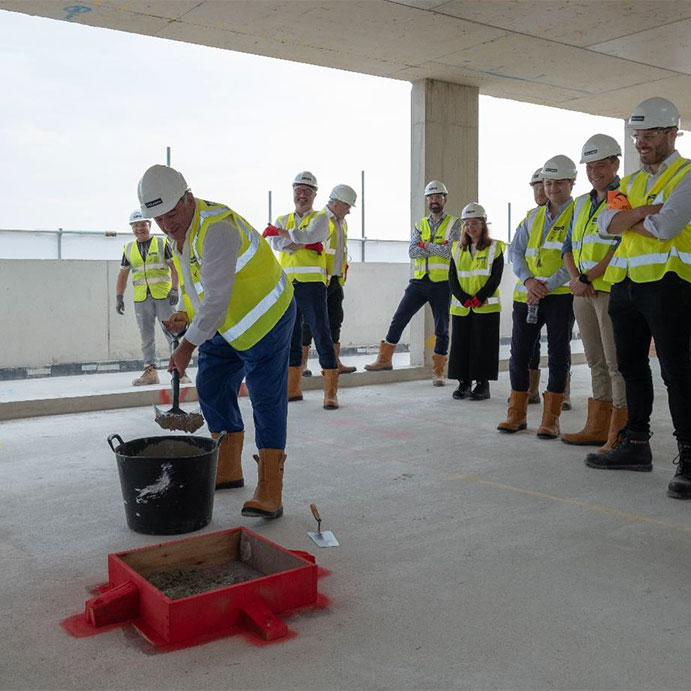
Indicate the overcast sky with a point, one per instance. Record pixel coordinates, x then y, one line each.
87 110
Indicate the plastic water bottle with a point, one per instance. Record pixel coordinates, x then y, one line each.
531 316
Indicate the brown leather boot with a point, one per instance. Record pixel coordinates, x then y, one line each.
438 368
551 410
330 389
517 415
596 425
229 472
620 416
383 360
305 355
566 403
267 501
294 383
342 369
534 388
147 377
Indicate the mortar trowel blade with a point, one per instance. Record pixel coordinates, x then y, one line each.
324 539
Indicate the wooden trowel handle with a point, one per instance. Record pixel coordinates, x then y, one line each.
315 512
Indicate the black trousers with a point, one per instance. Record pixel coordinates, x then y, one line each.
556 312
310 299
474 353
419 292
334 308
661 309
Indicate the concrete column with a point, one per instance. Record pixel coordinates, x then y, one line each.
631 160
444 146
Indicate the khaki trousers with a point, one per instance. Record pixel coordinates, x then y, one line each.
595 327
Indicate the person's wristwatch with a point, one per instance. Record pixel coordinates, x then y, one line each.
583 278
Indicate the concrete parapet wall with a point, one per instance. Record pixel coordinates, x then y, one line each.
63 311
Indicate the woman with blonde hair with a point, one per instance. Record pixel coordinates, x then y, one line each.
477 263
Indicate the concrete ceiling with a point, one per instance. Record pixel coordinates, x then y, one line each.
594 56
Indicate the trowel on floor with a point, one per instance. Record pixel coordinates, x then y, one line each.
322 539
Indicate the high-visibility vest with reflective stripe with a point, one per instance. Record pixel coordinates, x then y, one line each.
331 247
543 257
437 267
261 293
305 266
152 273
473 273
588 247
649 259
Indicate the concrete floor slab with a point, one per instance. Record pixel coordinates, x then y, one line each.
469 559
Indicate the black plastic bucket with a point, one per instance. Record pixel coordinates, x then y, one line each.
167 482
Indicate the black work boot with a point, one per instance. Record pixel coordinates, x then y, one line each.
680 486
463 390
481 390
626 454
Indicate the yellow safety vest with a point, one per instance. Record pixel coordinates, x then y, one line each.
543 256
331 247
648 259
589 248
304 266
437 267
153 273
473 273
261 292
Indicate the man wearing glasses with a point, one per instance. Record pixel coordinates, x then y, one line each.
651 291
430 250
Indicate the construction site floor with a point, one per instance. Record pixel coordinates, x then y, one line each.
469 559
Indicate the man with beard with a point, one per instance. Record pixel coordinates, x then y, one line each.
430 250
651 291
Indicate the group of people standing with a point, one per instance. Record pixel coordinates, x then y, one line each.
617 258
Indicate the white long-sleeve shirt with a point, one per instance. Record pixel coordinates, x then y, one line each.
222 244
316 231
338 268
672 217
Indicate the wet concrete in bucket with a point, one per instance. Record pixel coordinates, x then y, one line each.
172 448
185 582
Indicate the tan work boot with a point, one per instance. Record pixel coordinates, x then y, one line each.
305 355
267 501
294 383
330 389
516 418
551 410
438 367
620 416
566 403
383 360
596 425
342 369
534 388
229 472
147 377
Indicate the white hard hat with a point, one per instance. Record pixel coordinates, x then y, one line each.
537 177
136 217
559 168
435 187
305 178
654 112
474 210
160 189
599 146
344 193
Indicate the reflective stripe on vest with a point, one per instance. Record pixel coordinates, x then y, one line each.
473 273
588 247
437 267
261 293
646 259
152 273
305 266
543 257
331 247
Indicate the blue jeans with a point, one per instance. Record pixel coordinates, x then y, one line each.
311 303
265 368
418 292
